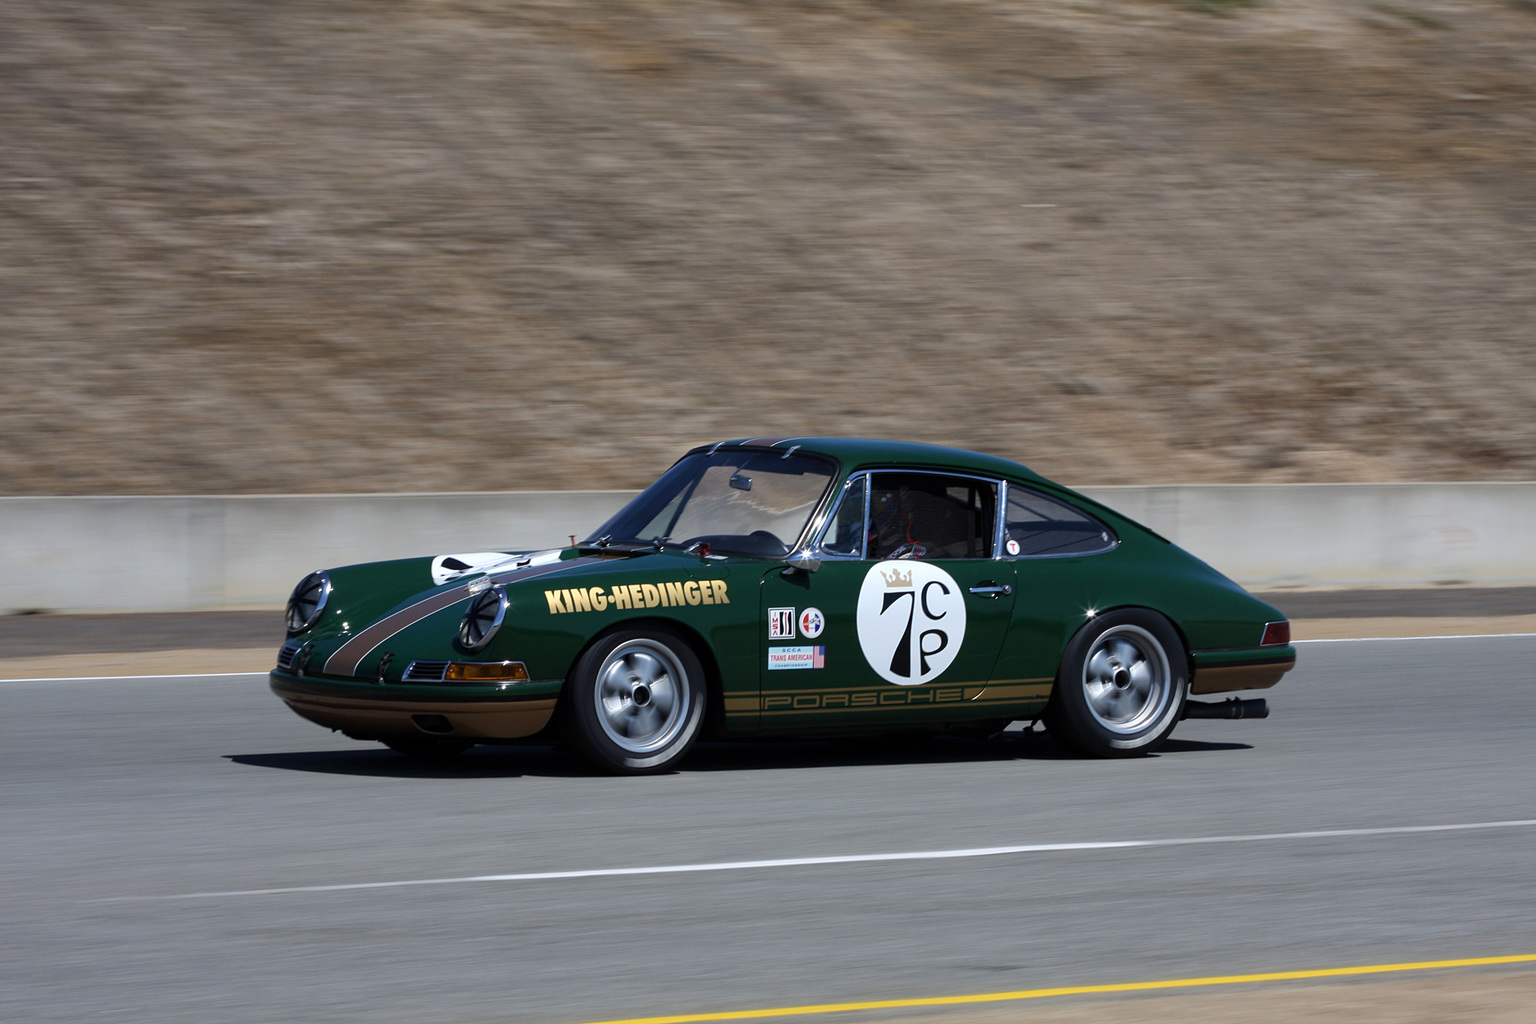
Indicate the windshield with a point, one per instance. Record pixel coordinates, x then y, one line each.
737 502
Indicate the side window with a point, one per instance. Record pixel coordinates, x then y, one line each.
1045 526
846 534
927 515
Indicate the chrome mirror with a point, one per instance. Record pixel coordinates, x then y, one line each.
804 560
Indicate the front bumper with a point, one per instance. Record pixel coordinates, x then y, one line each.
373 711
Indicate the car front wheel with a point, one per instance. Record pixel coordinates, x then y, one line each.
1121 686
636 701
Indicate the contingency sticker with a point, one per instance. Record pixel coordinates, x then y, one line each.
812 622
669 594
781 623
911 619
796 657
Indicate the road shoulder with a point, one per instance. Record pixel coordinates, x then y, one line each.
1462 997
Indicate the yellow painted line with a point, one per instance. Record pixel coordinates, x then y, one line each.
1078 990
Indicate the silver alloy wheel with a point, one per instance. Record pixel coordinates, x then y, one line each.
642 695
1127 680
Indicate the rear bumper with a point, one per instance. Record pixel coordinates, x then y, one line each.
1226 671
370 711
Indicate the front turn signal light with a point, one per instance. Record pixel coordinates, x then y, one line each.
1276 634
487 672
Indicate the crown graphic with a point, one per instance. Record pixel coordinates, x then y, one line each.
897 578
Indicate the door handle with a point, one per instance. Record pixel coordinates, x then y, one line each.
992 591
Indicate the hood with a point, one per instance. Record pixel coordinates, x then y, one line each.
413 607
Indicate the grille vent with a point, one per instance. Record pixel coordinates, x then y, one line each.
286 655
425 672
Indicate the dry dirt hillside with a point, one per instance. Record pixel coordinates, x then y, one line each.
315 245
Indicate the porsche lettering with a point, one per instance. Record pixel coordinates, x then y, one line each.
868 699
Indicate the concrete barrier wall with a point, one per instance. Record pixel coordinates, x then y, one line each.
180 553
184 553
1346 535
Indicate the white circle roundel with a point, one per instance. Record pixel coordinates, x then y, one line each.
812 622
911 619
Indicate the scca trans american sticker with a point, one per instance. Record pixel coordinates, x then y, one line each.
796 657
911 619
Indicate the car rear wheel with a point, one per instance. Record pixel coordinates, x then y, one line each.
1121 687
636 701
427 746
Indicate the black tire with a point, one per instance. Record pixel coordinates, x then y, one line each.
427 746
1121 686
635 701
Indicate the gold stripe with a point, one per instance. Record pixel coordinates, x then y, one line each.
1079 990
1019 692
1007 691
921 705
881 689
969 684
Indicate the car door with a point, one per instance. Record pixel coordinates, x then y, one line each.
902 621
1057 551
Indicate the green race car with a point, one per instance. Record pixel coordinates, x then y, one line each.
790 585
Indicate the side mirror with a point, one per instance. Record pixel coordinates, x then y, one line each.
804 561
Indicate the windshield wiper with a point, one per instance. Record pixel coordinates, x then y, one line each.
608 546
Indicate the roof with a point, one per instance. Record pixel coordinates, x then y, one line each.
858 453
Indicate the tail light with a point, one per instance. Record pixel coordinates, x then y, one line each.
1276 634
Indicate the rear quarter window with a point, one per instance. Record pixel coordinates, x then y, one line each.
1041 526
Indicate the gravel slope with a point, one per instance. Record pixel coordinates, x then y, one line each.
294 245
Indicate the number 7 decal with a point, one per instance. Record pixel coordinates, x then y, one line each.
929 634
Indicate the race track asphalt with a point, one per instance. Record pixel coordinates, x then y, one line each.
118 794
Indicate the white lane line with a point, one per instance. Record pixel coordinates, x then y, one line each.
118 679
862 858
1373 639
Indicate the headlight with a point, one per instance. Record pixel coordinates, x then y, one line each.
483 619
308 601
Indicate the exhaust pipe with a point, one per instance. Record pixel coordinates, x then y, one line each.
1235 708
